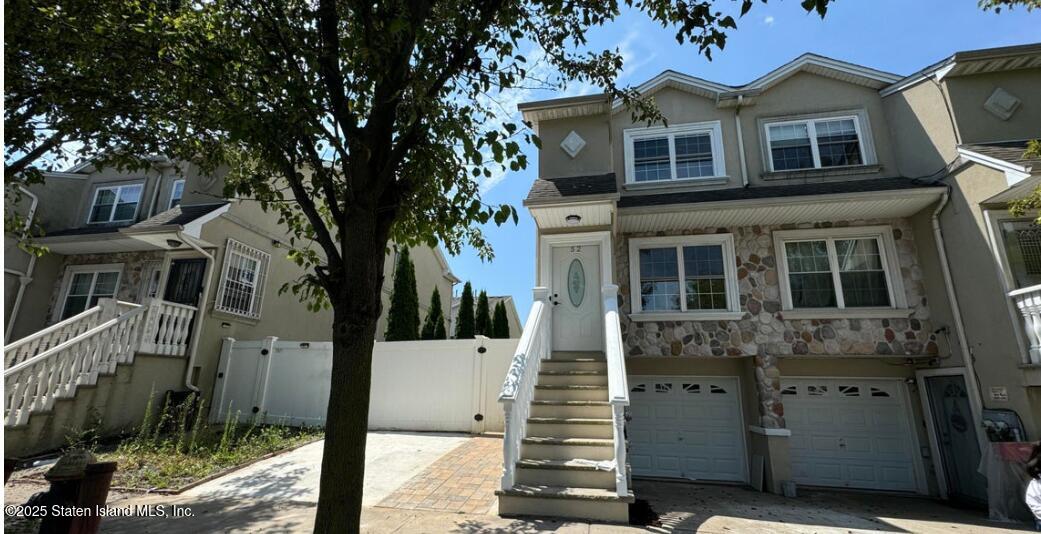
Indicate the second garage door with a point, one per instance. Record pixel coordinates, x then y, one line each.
687 427
851 433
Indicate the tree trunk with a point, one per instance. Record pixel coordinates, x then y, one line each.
356 309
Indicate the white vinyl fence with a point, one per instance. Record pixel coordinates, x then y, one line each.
445 385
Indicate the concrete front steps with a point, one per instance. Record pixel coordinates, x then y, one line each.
565 467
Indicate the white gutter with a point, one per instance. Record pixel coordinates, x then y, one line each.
975 401
23 278
741 141
201 308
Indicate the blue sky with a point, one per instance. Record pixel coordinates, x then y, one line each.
898 36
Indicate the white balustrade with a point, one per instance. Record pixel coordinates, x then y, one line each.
167 328
1028 301
35 383
50 364
617 383
518 390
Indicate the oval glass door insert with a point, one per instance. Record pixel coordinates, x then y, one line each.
576 282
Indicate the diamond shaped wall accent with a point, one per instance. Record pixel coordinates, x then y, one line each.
573 144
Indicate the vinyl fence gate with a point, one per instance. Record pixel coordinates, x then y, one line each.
444 385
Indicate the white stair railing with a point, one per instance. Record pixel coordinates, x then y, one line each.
56 334
33 385
617 383
534 346
166 330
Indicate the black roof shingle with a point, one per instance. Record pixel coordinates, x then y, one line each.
548 190
774 191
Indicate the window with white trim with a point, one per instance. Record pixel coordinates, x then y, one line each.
816 143
241 288
86 284
115 203
839 268
684 274
678 152
176 192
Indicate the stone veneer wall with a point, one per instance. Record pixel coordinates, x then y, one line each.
763 329
130 286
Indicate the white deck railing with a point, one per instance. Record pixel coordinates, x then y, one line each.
1028 301
534 346
617 383
101 338
167 328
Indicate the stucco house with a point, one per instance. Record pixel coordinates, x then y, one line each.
146 272
809 278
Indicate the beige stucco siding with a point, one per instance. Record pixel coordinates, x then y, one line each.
976 124
680 107
989 327
594 158
809 94
921 127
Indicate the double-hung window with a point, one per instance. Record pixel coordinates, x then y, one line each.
678 152
86 284
693 276
176 192
116 203
816 143
241 288
839 269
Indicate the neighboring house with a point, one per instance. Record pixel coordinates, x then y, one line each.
186 268
511 313
757 293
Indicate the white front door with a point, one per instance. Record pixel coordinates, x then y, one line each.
687 427
849 433
575 293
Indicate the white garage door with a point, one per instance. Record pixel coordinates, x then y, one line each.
687 427
850 433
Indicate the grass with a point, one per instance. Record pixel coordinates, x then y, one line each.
176 446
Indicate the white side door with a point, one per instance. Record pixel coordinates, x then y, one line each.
687 427
849 433
575 293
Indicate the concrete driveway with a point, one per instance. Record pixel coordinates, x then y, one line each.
391 459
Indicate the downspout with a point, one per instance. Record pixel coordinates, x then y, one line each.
741 141
971 383
199 312
27 277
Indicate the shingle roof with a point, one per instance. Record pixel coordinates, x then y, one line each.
548 190
1010 151
86 230
774 191
178 215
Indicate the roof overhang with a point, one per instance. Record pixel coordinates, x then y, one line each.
158 238
781 210
1021 190
563 108
973 62
561 215
1014 173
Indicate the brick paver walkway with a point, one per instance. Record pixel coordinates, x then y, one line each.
463 480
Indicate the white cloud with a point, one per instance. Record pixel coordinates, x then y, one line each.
768 20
